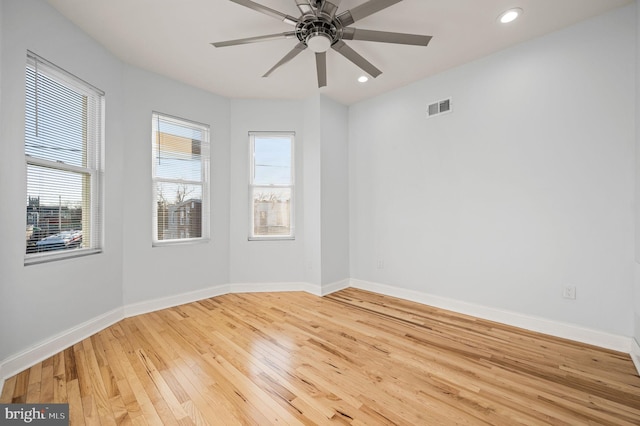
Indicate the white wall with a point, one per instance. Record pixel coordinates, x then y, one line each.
160 272
527 186
637 190
40 301
312 194
319 253
263 261
4 329
326 192
334 157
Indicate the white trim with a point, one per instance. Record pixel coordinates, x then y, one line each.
275 287
635 354
43 350
147 306
2 377
59 165
317 290
540 325
333 287
58 255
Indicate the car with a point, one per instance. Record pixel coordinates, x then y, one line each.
60 241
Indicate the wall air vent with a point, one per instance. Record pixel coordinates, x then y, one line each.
439 107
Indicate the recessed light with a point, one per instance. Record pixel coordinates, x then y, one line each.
363 79
510 15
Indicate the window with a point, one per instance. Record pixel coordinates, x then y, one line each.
271 186
63 146
180 180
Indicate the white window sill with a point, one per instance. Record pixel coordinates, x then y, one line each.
37 258
180 242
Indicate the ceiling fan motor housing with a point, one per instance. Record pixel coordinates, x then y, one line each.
318 33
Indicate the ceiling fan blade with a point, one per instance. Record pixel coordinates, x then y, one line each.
305 7
248 40
321 67
289 56
385 37
267 11
329 8
342 48
348 17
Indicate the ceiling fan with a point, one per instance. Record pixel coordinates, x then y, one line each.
319 28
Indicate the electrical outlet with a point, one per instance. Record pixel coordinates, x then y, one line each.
380 264
569 292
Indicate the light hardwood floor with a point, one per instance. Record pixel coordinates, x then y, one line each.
353 357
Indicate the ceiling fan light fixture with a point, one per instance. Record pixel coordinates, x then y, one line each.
318 42
510 15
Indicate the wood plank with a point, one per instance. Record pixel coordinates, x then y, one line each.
47 383
98 392
59 379
21 387
8 390
76 412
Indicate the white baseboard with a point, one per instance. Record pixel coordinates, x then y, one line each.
43 350
333 287
635 354
273 287
540 325
317 290
147 306
2 377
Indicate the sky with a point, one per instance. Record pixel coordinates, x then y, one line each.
272 159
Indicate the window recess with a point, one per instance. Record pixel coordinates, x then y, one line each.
180 168
271 186
63 145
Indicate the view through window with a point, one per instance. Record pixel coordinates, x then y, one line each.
180 179
271 186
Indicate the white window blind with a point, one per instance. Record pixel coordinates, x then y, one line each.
63 148
271 186
180 180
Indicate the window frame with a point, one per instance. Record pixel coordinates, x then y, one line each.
204 182
252 186
94 155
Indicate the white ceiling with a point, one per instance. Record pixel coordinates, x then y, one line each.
172 38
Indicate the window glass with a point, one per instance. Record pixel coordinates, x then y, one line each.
180 179
271 186
272 158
